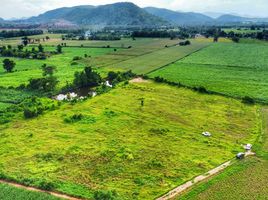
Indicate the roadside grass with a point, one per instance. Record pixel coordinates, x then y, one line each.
8 192
141 152
235 70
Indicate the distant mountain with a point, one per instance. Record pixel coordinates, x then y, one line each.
180 18
213 15
112 14
228 19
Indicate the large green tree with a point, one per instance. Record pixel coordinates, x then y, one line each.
8 65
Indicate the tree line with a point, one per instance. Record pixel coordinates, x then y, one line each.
19 33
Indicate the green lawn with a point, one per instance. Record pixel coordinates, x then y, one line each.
140 152
236 70
12 193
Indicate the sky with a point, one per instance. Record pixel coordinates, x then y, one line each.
26 8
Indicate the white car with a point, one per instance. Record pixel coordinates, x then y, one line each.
248 147
207 134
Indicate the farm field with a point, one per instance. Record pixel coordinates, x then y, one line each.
102 59
120 145
247 179
12 193
149 62
29 68
235 70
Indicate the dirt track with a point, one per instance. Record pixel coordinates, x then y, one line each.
178 190
56 194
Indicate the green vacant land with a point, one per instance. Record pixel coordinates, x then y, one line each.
119 145
236 70
247 179
13 193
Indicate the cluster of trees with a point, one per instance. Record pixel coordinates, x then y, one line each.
19 52
235 36
161 34
87 78
25 40
47 83
19 33
116 77
73 36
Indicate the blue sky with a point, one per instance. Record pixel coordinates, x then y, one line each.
26 8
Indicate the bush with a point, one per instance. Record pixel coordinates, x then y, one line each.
30 113
46 185
74 118
105 195
201 90
248 100
77 58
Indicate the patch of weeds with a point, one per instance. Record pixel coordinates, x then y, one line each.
110 113
74 118
105 195
155 164
159 131
125 153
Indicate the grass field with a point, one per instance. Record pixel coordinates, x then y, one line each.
236 70
29 68
149 62
141 59
140 152
247 179
11 193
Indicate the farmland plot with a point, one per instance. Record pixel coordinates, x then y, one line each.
140 152
236 70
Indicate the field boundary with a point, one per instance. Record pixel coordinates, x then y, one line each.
181 188
33 189
161 67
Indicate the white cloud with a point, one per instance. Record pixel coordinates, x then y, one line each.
26 8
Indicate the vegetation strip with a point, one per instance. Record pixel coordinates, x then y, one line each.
178 190
56 194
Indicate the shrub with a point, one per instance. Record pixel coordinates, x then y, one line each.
46 185
74 118
77 58
248 100
105 195
30 113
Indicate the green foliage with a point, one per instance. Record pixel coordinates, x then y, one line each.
74 118
8 65
235 70
118 145
87 78
248 100
46 84
8 192
105 195
59 49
